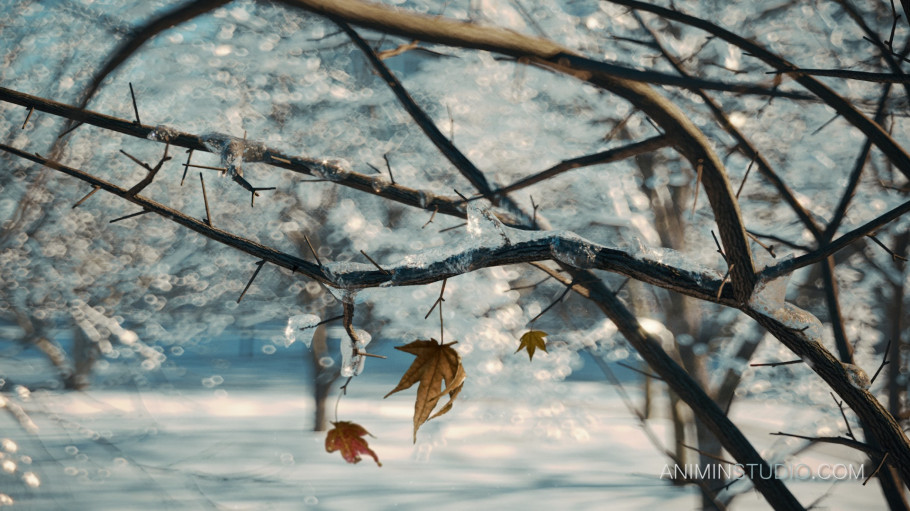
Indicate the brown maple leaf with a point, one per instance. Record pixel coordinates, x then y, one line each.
436 364
532 341
346 437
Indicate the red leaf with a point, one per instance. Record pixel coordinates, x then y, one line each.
346 437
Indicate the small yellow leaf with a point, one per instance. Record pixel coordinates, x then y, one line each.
532 341
436 366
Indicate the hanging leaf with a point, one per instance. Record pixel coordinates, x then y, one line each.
437 366
346 437
532 341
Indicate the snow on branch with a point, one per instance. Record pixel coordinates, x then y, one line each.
661 268
252 151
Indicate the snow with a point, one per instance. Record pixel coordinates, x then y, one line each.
239 448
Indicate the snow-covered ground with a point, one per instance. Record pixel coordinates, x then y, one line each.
252 449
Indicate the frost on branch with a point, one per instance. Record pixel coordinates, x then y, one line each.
302 327
858 377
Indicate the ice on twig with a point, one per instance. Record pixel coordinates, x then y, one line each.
573 250
674 258
301 327
233 151
769 297
484 226
351 359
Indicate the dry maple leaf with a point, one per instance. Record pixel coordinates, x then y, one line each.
532 341
346 437
436 364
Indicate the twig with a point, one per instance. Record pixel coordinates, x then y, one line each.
186 166
69 130
885 362
135 108
621 286
894 17
139 162
840 406
723 282
83 199
825 125
438 300
563 295
259 266
835 246
28 116
768 248
893 254
775 364
782 241
147 180
855 174
745 177
388 166
435 210
619 126
603 157
208 215
879 467
220 169
344 391
639 371
383 270
720 250
397 51
313 250
530 286
453 227
839 440
144 211
324 321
